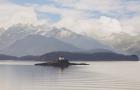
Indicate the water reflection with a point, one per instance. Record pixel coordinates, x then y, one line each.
29 77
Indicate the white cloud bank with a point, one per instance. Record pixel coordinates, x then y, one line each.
77 16
11 14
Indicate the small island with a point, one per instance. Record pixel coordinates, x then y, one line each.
60 62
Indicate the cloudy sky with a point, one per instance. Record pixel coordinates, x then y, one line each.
81 16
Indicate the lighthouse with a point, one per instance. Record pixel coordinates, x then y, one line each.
61 58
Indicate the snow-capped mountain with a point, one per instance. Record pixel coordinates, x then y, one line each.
77 40
12 38
1 30
123 42
20 31
128 43
37 45
16 32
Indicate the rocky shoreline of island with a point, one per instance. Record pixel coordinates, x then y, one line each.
60 62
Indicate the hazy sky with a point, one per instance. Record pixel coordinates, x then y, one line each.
82 16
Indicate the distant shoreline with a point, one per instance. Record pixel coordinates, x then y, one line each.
74 60
74 56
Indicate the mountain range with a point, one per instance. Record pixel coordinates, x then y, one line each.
123 42
37 45
16 40
20 40
75 39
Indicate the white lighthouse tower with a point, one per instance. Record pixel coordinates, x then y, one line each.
61 58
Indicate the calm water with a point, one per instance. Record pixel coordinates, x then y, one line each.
97 76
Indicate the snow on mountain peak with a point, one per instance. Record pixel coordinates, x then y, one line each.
20 31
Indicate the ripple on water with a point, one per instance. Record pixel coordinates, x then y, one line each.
50 78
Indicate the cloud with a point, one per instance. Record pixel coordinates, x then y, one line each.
98 5
133 5
110 25
78 21
61 11
3 1
90 5
70 18
82 16
78 17
131 25
13 14
66 1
